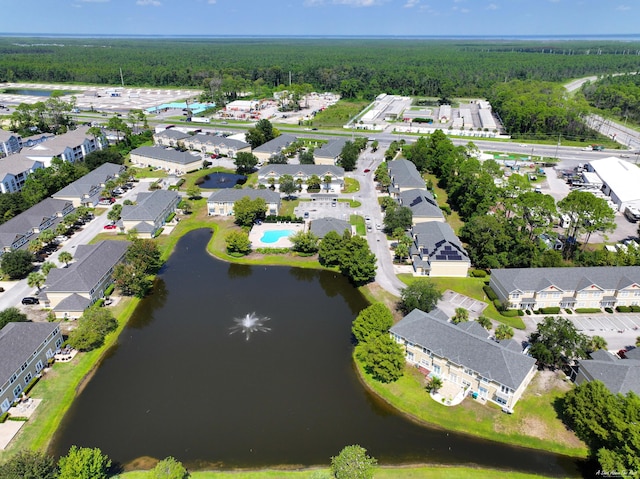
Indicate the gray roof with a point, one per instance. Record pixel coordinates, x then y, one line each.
7 135
18 341
149 206
172 134
619 375
322 226
332 149
301 170
566 279
436 241
16 164
231 195
404 174
215 140
74 302
164 154
91 263
276 145
92 180
421 203
490 359
56 145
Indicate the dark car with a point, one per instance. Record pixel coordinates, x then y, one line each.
30 300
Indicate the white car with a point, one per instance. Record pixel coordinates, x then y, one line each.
367 219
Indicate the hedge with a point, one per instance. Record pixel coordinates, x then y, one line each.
635 309
489 292
550 310
479 273
170 217
446 209
109 289
283 219
588 310
510 313
520 312
623 309
32 383
497 304
3 417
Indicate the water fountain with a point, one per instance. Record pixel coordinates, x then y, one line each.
248 324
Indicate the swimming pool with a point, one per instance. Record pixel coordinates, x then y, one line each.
272 236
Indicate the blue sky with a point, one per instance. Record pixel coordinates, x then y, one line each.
322 17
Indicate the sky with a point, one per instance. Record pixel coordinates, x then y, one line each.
321 17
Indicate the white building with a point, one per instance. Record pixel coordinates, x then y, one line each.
14 171
71 146
620 180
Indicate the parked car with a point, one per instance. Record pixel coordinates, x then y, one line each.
106 201
30 300
367 170
110 227
306 215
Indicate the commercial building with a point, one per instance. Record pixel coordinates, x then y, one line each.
620 180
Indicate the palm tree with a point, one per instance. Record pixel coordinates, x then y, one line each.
434 384
34 246
638 341
504 332
35 279
61 229
65 257
461 316
46 267
484 322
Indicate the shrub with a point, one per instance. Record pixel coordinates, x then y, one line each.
18 418
635 309
32 383
171 216
109 290
609 310
509 313
528 311
568 311
273 250
498 304
489 292
623 309
479 273
536 311
180 182
446 209
3 417
588 310
520 312
550 310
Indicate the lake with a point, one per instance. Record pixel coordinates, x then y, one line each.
185 379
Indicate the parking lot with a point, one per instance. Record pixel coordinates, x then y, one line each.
606 322
324 209
452 300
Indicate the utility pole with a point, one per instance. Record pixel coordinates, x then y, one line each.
121 78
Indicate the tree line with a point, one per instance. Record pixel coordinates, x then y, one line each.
619 95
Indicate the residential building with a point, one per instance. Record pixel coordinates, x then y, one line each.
14 171
25 349
404 176
173 161
86 191
221 202
273 147
10 143
269 175
219 145
422 205
329 153
71 146
464 355
620 180
322 226
620 375
583 287
150 212
437 251
72 289
170 137
19 230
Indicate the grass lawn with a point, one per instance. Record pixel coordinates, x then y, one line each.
287 207
339 114
413 472
352 203
441 197
534 423
471 287
358 221
351 185
147 173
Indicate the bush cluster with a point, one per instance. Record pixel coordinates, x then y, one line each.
480 273
489 292
510 313
550 310
609 310
588 310
29 386
283 219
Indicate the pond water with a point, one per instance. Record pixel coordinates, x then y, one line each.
236 366
27 92
220 180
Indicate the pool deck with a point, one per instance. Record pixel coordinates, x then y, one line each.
257 231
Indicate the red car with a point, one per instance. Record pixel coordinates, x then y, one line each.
110 227
367 170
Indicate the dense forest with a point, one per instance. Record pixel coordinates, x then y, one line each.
618 94
354 67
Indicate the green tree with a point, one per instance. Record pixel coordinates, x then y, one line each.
36 279
146 253
287 185
100 157
279 159
131 278
461 316
372 321
382 358
93 326
556 342
261 133
388 203
596 343
84 463
484 322
400 217
245 162
46 267
349 156
247 211
374 145
330 249
169 468
28 464
357 262
304 242
238 243
11 315
306 157
47 236
504 331
194 193
65 257
421 294
434 384
353 463
16 264
185 206
313 183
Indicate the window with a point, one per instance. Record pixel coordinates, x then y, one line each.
505 389
58 342
453 378
17 390
23 367
409 356
4 407
13 378
28 378
623 294
436 369
39 366
501 400
468 371
484 380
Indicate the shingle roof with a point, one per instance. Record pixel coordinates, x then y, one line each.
301 170
276 145
332 149
18 341
436 241
83 186
16 164
219 141
74 302
566 279
92 263
492 360
421 203
231 195
405 175
149 205
619 375
57 144
322 226
6 135
164 154
172 134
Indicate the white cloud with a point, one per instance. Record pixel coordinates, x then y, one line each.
145 3
353 3
492 6
623 8
411 3
211 2
461 10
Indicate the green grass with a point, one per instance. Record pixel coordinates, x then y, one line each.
471 287
487 421
382 472
351 185
339 114
352 203
147 173
287 207
358 221
441 197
